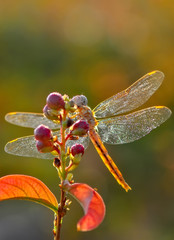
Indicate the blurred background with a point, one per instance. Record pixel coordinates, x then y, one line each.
96 48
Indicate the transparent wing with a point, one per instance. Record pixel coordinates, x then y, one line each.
131 98
26 146
82 140
31 120
131 127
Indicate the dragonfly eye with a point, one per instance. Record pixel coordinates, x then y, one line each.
80 100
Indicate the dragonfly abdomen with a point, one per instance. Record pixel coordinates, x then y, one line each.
109 163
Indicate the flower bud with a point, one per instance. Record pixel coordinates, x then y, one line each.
65 97
68 123
69 177
57 162
71 103
45 147
69 106
43 133
77 149
79 128
55 101
50 113
80 100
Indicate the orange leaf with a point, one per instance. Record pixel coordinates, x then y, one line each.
92 203
27 188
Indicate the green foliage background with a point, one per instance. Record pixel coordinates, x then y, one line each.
95 48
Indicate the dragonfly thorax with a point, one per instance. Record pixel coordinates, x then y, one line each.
86 113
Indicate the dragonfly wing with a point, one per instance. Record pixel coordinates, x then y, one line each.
131 98
82 140
131 127
31 120
26 146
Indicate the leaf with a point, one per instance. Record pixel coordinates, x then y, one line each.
27 188
92 203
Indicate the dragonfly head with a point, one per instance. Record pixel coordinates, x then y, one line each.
80 100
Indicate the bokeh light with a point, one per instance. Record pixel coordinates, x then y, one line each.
96 48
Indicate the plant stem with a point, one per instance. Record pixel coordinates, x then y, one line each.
60 214
61 209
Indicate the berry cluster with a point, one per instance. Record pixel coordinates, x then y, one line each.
62 110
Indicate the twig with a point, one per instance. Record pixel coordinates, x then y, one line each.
60 214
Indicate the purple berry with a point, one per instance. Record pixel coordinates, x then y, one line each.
45 147
42 133
77 149
55 101
80 128
49 113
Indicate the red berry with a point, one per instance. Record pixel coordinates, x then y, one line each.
42 133
77 149
45 147
55 101
80 128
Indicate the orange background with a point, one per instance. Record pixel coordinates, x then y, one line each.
96 48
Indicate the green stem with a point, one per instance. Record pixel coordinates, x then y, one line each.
61 210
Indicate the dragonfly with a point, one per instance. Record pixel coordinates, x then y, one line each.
108 123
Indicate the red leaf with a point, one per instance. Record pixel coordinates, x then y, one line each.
27 188
92 203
